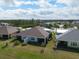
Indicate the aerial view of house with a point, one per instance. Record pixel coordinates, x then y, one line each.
38 41
36 34
39 29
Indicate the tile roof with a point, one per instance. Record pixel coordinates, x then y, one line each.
7 30
36 31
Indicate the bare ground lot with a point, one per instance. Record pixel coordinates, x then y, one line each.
34 52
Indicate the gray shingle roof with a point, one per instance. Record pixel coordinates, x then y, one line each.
72 35
7 30
36 31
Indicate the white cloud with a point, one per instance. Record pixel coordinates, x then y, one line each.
65 1
17 13
46 10
11 3
5 3
70 3
19 3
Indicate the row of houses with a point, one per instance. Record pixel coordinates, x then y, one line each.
41 35
36 34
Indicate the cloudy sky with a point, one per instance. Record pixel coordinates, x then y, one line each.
39 9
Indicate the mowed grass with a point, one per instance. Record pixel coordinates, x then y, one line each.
34 52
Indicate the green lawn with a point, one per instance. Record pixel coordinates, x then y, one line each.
34 52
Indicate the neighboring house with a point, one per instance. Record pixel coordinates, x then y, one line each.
28 28
61 26
69 39
35 35
47 29
61 31
44 28
21 29
4 24
7 31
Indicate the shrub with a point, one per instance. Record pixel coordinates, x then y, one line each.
13 40
23 44
42 51
5 45
43 45
16 43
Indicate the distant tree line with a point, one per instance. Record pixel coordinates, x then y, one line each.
32 22
22 23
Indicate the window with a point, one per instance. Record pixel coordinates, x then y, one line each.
5 36
32 38
73 44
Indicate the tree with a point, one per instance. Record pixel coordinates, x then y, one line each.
56 25
67 25
71 21
50 25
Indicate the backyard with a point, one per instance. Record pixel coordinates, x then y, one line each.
33 52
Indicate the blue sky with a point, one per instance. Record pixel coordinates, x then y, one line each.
39 9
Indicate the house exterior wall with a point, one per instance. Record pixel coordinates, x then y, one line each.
29 39
34 40
74 44
1 36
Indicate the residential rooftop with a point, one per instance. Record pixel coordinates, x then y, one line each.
35 31
71 35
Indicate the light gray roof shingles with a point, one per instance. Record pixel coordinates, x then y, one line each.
72 35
